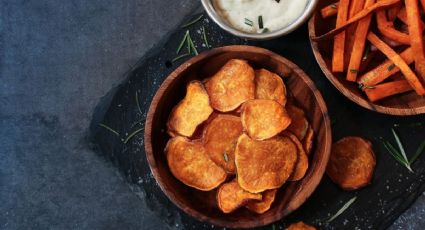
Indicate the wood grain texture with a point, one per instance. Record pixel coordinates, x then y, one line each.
202 205
401 105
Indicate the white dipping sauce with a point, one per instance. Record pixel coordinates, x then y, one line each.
276 15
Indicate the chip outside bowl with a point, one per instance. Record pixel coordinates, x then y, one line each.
202 205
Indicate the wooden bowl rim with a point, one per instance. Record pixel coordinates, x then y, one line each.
347 92
326 143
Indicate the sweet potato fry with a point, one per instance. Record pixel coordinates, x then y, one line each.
339 40
263 119
365 12
299 123
269 86
387 29
191 111
384 70
231 86
189 163
398 61
264 204
359 45
302 161
300 226
402 15
351 163
393 11
350 37
220 137
384 90
416 40
308 140
330 10
231 196
263 165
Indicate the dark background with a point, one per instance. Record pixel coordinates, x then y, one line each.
58 58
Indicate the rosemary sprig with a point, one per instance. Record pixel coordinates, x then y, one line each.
390 67
400 153
225 156
343 208
133 134
109 129
182 42
193 21
137 102
179 57
204 36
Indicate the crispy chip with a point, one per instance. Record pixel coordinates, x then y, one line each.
263 165
302 160
231 196
265 203
231 86
299 124
220 137
269 86
351 163
189 162
300 226
308 140
191 111
263 119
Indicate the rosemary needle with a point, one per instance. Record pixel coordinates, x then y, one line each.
182 42
400 146
109 129
343 208
132 135
179 57
193 21
137 102
204 35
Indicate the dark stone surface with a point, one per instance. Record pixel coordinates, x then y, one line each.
58 58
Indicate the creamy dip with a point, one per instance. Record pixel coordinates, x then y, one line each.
244 14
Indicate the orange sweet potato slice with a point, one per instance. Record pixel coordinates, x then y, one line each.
300 226
231 196
299 124
220 137
269 86
263 165
265 203
351 163
189 163
191 111
308 140
302 160
231 86
263 119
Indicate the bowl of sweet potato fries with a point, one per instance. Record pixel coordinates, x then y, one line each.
372 51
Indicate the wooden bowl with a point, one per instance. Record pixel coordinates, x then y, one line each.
402 104
202 205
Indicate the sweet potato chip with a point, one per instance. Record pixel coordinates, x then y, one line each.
269 86
263 119
300 226
351 163
263 165
302 161
189 162
191 111
299 124
265 203
231 196
308 140
220 137
231 86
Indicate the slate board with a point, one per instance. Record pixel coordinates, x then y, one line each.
393 188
